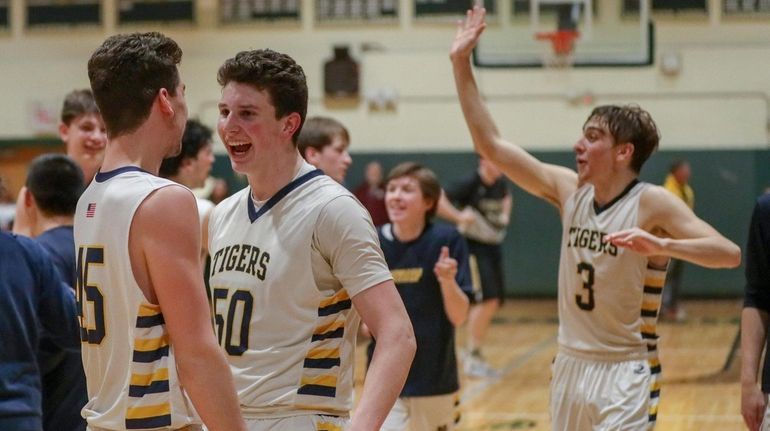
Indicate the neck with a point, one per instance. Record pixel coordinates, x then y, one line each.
146 148
408 231
273 173
608 190
45 223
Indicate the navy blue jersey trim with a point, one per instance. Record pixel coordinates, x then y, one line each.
149 321
148 423
288 188
104 176
323 363
157 387
337 333
601 208
653 290
335 308
150 356
318 390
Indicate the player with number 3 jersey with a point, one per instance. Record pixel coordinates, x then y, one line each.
618 235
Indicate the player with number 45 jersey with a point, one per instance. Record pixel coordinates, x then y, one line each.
618 235
150 357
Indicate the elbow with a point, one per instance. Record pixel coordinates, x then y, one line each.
407 341
731 258
734 259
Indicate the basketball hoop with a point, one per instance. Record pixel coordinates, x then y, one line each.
562 47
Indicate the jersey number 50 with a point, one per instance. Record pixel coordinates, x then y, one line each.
88 292
240 305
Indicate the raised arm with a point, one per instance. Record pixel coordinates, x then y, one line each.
456 302
550 182
383 312
669 228
165 235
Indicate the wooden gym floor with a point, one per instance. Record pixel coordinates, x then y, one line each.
696 393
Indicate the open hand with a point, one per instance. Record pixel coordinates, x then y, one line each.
468 33
637 240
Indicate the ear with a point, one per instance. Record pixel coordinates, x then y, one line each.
64 130
291 124
312 155
163 100
27 199
429 204
186 162
625 152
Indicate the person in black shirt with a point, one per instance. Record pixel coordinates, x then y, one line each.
485 208
755 319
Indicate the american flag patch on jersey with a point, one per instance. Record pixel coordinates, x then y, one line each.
91 210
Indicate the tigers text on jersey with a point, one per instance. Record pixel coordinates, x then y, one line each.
281 282
130 368
608 296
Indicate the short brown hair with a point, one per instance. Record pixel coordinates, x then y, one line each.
429 185
76 104
277 74
632 124
318 132
127 71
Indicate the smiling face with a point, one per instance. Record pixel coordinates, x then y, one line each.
405 201
85 138
248 125
595 153
333 159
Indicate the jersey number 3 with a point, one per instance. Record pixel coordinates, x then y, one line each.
89 295
586 300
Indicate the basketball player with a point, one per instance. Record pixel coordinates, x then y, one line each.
618 235
190 168
324 143
294 261
429 263
144 317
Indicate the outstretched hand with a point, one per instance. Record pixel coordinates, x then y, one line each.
445 267
468 32
637 240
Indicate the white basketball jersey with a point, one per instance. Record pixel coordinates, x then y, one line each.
204 208
608 296
282 301
129 364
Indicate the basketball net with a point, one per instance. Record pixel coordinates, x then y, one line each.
560 54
